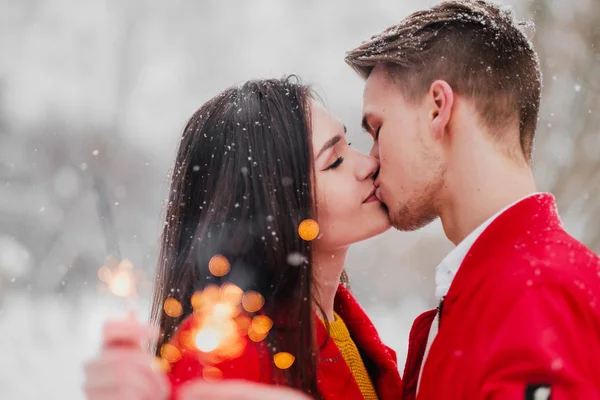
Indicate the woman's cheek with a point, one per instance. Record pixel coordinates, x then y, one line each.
338 200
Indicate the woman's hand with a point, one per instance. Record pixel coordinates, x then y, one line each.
237 390
124 370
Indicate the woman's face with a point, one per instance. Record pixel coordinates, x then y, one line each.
347 209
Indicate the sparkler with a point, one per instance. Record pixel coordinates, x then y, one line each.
220 326
120 280
117 273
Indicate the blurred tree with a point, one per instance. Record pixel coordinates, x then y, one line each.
571 93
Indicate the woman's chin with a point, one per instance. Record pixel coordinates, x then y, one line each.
385 227
383 215
339 240
357 227
373 229
377 221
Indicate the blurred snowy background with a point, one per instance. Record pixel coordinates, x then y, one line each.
94 95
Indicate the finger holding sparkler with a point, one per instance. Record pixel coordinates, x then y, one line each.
124 366
127 332
124 370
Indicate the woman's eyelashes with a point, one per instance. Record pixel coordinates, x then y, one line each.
338 161
335 164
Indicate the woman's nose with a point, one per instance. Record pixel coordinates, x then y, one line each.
367 167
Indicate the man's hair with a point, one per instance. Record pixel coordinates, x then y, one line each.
477 47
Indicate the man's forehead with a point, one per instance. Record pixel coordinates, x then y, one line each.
370 92
377 84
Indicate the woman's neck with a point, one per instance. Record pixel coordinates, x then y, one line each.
328 267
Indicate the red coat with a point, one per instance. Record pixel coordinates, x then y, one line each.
521 315
335 380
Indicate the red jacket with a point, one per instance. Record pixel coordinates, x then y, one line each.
522 315
335 380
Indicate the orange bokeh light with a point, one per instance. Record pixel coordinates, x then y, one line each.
170 353
232 293
187 339
120 278
252 301
211 294
256 336
122 283
212 374
308 229
219 265
234 349
172 307
196 301
208 339
261 324
223 310
283 360
243 322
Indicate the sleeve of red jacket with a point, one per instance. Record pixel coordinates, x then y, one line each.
548 345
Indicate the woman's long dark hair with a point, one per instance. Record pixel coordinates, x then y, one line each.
242 182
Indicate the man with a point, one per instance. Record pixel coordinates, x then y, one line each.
451 100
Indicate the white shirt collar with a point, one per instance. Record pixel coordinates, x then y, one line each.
447 269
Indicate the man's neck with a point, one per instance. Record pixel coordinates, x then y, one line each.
485 186
328 267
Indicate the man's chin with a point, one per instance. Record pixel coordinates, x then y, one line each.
406 220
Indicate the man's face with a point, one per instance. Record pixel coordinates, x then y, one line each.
412 167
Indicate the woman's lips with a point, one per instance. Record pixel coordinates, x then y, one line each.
372 198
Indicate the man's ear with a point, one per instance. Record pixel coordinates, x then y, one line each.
442 97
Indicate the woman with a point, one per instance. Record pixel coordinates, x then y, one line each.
254 162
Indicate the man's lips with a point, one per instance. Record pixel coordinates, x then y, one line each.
378 194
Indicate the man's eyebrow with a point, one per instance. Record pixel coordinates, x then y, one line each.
365 125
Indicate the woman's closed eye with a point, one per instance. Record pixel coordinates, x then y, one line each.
335 164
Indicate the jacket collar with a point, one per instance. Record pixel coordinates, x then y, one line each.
447 269
526 219
334 374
